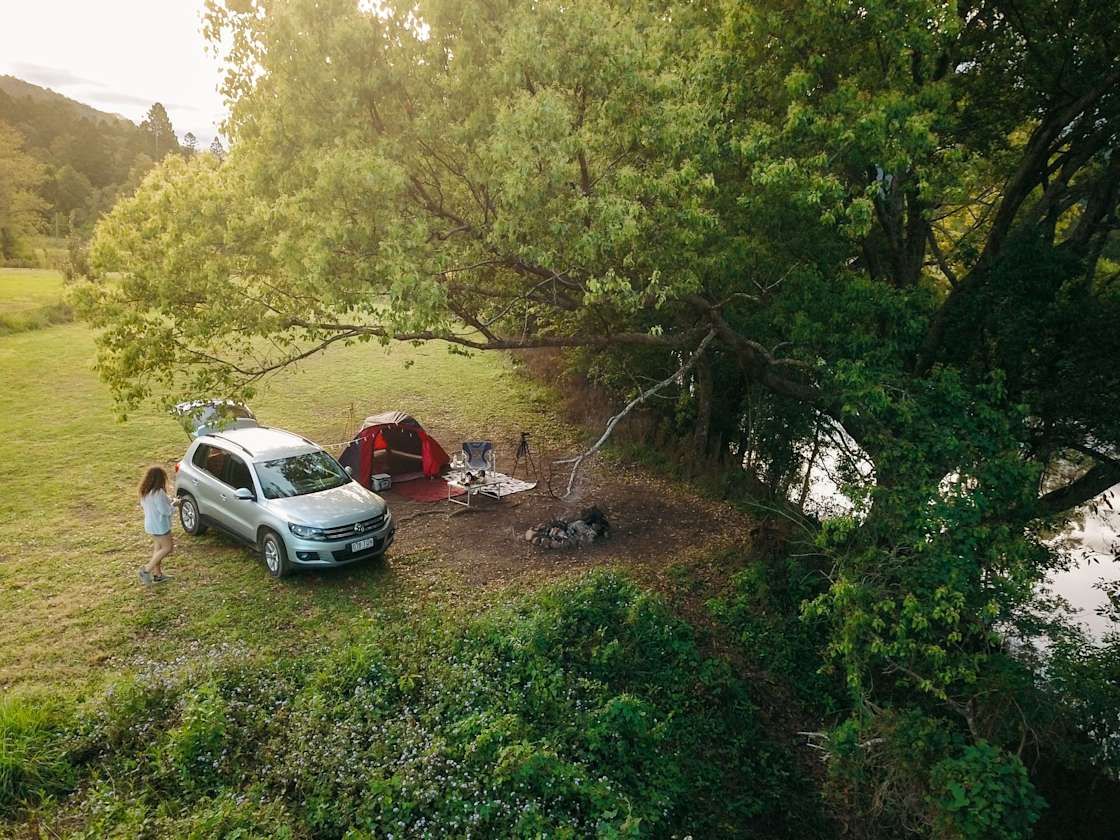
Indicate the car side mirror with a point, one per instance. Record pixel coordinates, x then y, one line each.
245 494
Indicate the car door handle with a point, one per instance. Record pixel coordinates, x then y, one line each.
223 497
194 481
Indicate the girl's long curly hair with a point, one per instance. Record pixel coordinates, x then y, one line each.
154 479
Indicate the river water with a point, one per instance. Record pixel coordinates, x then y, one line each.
1095 542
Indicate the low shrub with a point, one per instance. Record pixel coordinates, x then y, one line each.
36 319
983 794
762 611
902 769
246 815
584 710
34 757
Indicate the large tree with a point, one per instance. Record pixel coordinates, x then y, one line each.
157 125
894 222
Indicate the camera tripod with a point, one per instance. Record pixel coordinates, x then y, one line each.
525 453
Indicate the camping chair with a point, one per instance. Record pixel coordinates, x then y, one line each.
479 455
478 475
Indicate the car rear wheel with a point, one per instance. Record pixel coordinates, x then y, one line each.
274 554
189 516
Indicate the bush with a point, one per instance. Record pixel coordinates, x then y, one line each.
984 794
231 816
762 610
193 751
75 263
901 772
585 710
36 319
34 759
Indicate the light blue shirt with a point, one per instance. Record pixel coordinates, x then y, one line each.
157 513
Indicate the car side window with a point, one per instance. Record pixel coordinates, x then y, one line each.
237 474
216 462
200 455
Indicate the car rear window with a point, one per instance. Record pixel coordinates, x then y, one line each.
212 459
216 462
199 457
299 475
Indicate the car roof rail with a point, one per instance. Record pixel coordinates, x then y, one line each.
241 446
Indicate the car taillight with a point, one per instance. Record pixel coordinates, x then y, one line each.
177 465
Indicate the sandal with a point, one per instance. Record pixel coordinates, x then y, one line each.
145 576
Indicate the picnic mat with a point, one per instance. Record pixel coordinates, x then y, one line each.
432 490
508 486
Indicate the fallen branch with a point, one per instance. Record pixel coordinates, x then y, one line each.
578 460
441 509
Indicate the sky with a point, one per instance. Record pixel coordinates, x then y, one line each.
119 56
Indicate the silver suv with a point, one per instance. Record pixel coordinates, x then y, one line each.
283 495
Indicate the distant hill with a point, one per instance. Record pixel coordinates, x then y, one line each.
88 158
17 88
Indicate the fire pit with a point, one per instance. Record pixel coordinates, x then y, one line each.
592 525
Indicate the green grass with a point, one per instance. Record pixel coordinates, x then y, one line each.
33 758
28 288
31 298
70 529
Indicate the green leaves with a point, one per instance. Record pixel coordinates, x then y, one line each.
984 794
582 710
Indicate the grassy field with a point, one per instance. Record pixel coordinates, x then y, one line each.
70 530
31 298
22 289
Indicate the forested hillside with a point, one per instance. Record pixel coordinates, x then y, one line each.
65 163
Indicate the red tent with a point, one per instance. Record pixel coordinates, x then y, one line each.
396 444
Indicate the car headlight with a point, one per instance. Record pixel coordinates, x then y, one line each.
306 532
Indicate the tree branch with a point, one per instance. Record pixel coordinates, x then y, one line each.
578 460
1018 188
1035 158
633 339
942 263
1095 481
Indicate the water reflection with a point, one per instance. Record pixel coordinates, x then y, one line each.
1094 542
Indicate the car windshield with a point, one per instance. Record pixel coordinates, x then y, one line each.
300 475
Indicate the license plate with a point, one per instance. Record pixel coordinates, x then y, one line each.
362 545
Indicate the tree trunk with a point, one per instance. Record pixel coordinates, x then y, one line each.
703 409
809 466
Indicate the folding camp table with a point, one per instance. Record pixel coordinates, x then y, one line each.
490 486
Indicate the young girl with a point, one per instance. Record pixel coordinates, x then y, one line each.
157 522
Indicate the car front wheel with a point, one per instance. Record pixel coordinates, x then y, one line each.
189 517
274 554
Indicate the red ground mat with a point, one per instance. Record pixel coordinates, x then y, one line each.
428 490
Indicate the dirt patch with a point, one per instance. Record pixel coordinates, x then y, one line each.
654 523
